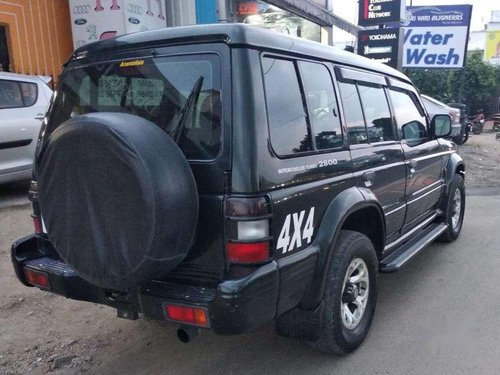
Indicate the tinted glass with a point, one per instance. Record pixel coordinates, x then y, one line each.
285 109
410 117
353 113
29 91
377 114
321 105
10 94
156 89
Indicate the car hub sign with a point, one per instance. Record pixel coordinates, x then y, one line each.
378 12
436 36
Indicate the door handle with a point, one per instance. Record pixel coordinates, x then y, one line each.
413 165
368 178
39 116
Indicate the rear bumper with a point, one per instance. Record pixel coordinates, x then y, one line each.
234 306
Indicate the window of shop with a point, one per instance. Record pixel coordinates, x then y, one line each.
4 51
262 14
181 12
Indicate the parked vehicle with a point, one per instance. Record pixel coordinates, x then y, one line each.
477 123
23 102
496 121
435 107
466 125
208 176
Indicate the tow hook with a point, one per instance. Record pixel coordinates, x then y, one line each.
187 333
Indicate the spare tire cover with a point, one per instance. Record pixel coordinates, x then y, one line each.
118 199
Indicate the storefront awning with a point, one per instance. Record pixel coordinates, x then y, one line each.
315 13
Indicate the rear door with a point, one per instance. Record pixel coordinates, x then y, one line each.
377 156
22 108
422 154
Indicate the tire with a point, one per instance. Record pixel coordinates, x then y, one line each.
454 219
477 129
337 336
118 199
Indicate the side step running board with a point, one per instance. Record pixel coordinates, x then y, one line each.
395 260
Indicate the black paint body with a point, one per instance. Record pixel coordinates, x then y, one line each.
383 189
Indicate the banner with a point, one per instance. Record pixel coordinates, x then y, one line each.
436 36
93 20
492 50
379 12
382 45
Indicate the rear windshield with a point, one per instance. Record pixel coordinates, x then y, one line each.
180 94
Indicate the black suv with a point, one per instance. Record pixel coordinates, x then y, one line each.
225 177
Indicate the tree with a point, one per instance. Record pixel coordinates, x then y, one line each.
432 82
481 84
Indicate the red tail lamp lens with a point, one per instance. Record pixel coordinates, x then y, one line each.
37 223
185 314
37 278
247 252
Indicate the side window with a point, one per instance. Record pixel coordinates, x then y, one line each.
410 118
285 108
377 114
353 113
10 94
29 92
321 105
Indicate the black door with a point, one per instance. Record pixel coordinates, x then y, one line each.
377 156
422 155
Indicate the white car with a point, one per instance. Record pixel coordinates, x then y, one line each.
435 107
23 103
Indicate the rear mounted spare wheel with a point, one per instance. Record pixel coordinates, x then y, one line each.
118 199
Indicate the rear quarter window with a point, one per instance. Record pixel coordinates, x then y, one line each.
17 94
285 107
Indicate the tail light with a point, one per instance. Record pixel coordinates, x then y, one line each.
247 228
455 117
37 224
186 314
37 278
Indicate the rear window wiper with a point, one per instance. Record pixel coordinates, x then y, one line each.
192 98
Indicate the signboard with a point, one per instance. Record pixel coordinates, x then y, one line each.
93 20
379 12
492 50
436 36
261 14
382 45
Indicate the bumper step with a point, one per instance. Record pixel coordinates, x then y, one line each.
394 261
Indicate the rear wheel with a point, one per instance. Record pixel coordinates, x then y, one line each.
455 208
350 294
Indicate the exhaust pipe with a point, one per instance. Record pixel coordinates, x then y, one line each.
187 333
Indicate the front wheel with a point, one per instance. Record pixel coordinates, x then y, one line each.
455 209
350 294
477 129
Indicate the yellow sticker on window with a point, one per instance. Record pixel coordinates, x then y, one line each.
125 64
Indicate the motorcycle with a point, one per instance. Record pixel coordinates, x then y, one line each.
477 123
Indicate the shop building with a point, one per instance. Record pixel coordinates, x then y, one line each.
35 36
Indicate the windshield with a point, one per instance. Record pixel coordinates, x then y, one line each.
156 89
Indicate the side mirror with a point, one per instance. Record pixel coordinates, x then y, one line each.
441 126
